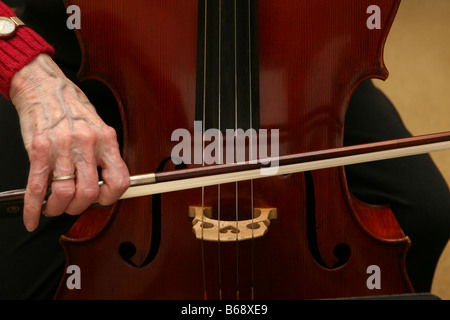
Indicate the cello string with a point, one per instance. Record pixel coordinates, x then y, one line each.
235 130
203 145
251 142
219 151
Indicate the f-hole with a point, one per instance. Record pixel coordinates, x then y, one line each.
341 251
127 249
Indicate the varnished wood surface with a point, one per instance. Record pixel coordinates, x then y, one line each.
305 82
419 38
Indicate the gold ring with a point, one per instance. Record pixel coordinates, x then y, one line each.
66 177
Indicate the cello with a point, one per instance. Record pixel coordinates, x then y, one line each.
277 74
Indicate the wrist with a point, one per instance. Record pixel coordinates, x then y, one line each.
29 80
18 51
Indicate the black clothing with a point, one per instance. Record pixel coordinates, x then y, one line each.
412 186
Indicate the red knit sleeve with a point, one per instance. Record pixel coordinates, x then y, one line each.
17 51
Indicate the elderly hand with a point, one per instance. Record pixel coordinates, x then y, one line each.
64 136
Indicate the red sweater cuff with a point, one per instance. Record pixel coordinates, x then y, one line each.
17 51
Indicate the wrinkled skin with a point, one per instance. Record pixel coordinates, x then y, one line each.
63 135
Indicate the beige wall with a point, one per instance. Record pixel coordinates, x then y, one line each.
417 55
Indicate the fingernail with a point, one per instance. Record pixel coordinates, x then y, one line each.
31 225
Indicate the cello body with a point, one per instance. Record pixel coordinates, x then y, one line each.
307 57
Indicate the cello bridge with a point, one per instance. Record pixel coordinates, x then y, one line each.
208 229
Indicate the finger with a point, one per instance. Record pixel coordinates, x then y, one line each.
87 188
116 181
115 175
36 189
63 191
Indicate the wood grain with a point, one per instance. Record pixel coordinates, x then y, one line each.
417 56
